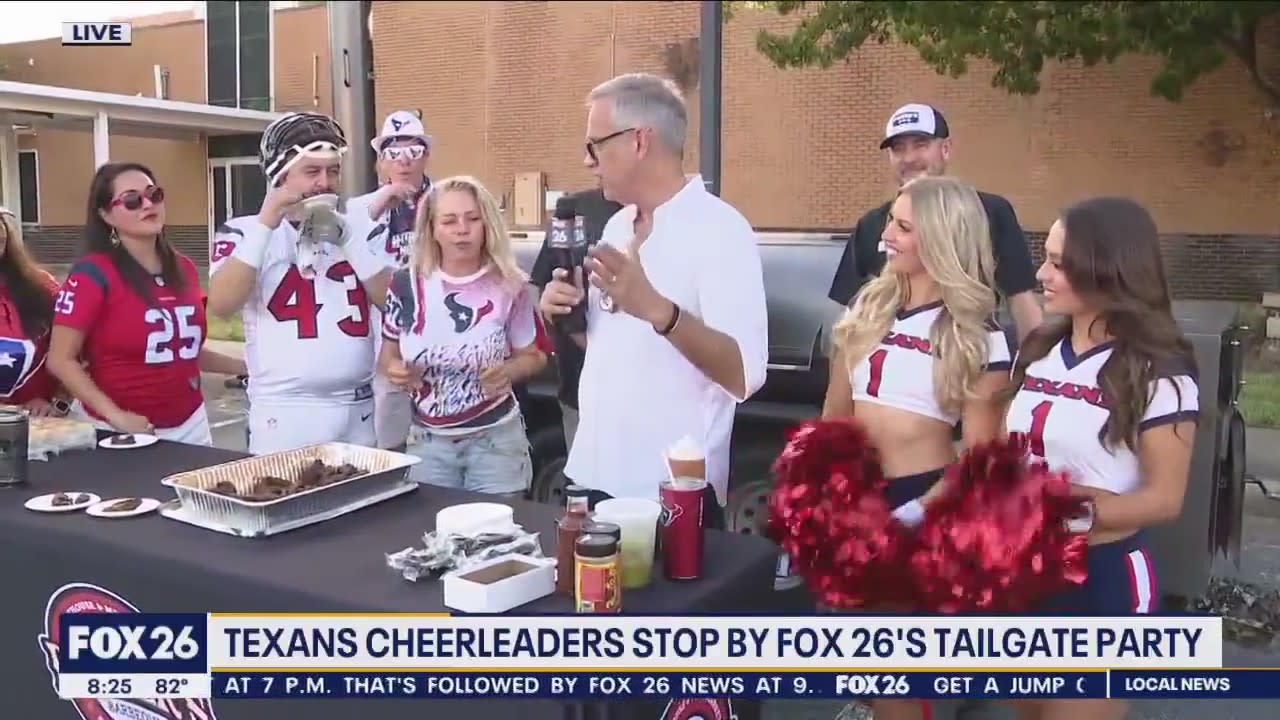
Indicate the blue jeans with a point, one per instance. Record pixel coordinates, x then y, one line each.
494 461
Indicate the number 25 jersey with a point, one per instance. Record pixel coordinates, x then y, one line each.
308 335
1062 407
144 356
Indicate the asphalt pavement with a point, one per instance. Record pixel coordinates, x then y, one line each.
1260 564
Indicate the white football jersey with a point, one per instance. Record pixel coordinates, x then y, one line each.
899 373
1061 406
308 336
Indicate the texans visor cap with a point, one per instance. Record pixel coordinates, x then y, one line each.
401 125
915 119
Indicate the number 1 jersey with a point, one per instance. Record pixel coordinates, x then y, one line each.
144 356
308 335
1062 407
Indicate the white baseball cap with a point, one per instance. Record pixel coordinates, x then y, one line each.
915 119
401 124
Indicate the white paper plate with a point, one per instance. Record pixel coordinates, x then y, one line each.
44 503
140 440
99 509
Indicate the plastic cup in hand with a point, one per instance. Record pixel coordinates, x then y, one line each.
319 218
638 520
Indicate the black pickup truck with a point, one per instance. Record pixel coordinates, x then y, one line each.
798 268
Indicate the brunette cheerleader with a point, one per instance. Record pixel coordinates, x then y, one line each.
1108 394
918 352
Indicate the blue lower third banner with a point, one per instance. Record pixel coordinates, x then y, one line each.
639 685
1258 684
1191 684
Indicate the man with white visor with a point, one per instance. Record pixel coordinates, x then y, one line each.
302 273
404 150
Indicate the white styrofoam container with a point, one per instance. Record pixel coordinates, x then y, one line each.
500 584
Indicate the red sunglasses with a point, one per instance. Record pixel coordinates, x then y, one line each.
132 199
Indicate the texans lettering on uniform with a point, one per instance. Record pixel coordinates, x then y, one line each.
1068 390
908 342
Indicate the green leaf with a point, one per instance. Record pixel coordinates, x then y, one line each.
1018 38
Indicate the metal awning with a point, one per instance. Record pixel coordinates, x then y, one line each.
106 114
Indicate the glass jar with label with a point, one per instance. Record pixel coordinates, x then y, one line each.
598 576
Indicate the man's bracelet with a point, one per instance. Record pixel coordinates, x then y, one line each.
675 320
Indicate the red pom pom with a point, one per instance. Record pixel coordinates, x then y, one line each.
996 541
829 513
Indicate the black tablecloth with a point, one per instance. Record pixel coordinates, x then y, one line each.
160 565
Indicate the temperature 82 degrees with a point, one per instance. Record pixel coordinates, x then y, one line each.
169 686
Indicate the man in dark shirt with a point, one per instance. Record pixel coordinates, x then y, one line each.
919 143
597 210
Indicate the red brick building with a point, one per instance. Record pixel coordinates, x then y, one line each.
501 86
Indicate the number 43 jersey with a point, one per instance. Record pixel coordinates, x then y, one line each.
308 335
144 355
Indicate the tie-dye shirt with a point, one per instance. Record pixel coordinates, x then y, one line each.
449 329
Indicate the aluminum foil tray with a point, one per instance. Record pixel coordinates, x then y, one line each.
386 476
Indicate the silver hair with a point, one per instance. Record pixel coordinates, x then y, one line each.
644 100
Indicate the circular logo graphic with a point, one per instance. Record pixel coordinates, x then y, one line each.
699 709
87 598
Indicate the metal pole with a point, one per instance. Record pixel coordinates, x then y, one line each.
351 54
710 50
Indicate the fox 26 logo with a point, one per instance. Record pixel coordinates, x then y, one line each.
97 642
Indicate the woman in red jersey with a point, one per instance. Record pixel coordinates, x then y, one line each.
133 311
26 317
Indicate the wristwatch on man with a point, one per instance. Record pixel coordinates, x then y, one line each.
1082 524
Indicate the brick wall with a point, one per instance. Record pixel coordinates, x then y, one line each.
501 85
61 244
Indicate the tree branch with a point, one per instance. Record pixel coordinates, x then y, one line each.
1245 46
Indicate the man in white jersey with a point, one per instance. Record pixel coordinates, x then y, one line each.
403 150
306 305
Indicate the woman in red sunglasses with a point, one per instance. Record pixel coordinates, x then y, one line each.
26 317
132 308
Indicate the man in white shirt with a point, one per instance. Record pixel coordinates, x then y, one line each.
677 330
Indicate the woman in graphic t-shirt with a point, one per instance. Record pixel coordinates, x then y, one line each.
461 330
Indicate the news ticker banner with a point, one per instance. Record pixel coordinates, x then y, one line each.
233 656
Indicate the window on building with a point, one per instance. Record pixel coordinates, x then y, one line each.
255 55
29 185
239 58
238 188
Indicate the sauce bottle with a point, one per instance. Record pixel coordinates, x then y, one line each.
568 529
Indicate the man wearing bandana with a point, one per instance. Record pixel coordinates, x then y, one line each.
306 280
404 150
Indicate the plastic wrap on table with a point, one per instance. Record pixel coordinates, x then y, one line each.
444 554
50 436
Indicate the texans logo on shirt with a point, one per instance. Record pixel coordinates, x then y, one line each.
464 317
224 246
16 367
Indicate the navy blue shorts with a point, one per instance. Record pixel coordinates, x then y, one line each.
912 487
1122 581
